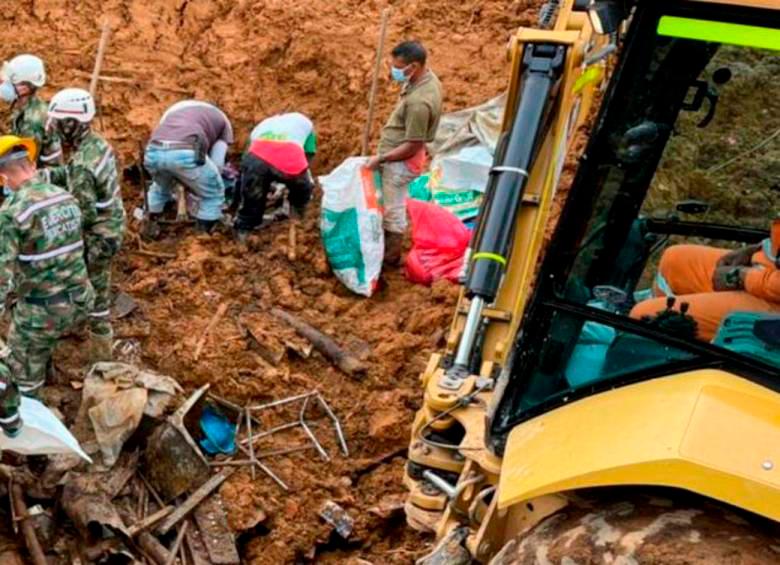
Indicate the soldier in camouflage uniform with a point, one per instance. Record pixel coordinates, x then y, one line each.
91 176
22 77
42 262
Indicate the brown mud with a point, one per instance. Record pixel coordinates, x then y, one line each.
254 59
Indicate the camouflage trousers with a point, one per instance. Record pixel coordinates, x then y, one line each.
10 398
100 255
34 333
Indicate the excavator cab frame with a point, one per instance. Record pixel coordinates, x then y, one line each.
504 434
663 59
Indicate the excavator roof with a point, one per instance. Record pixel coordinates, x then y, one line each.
770 4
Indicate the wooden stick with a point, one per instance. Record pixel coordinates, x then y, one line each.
152 546
150 521
152 491
380 48
101 52
194 499
155 254
324 344
292 241
212 324
181 203
142 172
177 544
28 530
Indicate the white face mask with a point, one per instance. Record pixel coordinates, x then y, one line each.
8 92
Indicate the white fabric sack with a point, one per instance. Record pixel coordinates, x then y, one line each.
42 433
351 224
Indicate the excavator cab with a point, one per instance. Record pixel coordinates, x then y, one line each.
554 382
653 149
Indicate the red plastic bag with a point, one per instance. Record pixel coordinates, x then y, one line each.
439 241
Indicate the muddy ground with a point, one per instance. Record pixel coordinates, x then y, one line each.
254 59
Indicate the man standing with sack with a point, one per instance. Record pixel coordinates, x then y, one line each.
401 155
189 146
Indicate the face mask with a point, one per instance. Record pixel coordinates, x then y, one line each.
8 92
398 75
69 130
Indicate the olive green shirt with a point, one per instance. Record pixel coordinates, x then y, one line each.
416 116
29 120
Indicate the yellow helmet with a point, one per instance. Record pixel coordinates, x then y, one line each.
13 148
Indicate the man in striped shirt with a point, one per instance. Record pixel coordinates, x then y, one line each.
91 176
42 262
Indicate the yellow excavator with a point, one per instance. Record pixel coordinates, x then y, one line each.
557 424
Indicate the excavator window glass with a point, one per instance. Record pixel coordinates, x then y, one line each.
664 260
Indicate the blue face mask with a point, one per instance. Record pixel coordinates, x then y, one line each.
8 92
398 75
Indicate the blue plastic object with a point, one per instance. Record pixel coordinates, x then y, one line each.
736 334
219 432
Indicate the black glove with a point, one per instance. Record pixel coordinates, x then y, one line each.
673 322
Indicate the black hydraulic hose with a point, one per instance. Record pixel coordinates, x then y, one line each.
542 67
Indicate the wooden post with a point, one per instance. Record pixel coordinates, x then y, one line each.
375 81
99 57
292 240
28 530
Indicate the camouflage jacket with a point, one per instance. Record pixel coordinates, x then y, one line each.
91 176
42 250
30 121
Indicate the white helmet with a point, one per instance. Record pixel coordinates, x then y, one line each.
25 68
74 103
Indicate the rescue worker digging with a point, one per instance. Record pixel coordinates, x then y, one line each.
91 176
281 150
42 262
22 77
189 146
717 282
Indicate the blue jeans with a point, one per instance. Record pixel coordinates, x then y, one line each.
205 188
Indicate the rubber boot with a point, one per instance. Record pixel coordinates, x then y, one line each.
100 348
205 226
393 247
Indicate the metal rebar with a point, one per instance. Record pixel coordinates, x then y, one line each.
336 424
267 471
312 437
251 442
283 401
272 431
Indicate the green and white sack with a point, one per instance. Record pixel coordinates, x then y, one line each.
351 224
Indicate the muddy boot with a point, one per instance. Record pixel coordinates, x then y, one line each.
241 235
150 227
100 348
205 226
393 247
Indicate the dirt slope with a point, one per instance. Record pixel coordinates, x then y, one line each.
254 59
258 58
